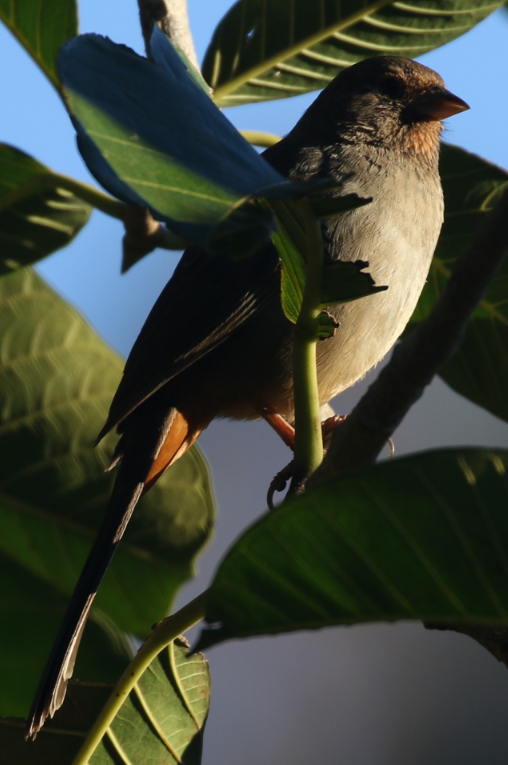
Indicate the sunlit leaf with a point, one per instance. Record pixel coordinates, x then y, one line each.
292 273
41 28
268 49
326 325
341 281
160 722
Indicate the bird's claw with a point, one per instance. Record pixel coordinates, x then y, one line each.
279 483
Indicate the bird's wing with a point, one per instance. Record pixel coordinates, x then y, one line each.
207 298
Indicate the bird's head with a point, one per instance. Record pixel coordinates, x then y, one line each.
390 102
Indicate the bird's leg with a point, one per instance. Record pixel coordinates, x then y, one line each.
287 433
280 425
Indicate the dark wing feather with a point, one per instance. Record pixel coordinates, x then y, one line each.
207 298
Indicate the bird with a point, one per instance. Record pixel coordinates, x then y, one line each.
217 342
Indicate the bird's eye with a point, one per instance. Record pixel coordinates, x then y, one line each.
393 87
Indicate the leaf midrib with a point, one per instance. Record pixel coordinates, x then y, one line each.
293 50
31 50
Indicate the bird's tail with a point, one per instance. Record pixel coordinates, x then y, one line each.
139 470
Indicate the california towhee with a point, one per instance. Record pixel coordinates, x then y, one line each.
217 344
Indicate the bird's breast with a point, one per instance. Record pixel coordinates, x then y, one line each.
396 234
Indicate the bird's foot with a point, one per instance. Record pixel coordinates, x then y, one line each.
279 483
287 433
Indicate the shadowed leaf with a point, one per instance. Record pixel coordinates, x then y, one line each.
479 368
326 207
421 537
30 611
190 166
345 281
36 216
56 381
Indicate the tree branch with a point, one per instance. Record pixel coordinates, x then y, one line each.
143 234
360 439
171 16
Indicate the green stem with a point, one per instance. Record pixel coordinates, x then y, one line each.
258 138
164 634
108 205
308 435
93 196
87 193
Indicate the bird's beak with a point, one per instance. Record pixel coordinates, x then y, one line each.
438 104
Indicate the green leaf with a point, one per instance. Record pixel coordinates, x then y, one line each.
292 273
326 325
342 282
422 537
263 50
242 230
75 718
37 216
162 51
57 379
190 166
163 181
161 721
30 611
41 28
479 368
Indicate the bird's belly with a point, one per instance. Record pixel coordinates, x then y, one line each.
368 328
